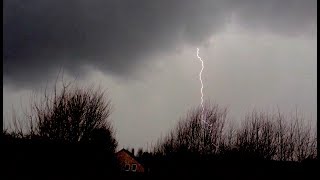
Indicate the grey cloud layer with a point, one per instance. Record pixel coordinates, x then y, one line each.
41 36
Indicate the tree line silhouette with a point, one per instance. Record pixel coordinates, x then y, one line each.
261 135
69 133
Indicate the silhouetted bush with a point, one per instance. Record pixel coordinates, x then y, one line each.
68 133
193 135
261 143
272 137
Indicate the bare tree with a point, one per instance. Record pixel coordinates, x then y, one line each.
193 134
262 135
70 114
272 136
70 127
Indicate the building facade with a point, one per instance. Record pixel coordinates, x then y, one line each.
128 162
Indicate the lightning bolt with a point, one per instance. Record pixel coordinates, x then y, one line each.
200 77
202 107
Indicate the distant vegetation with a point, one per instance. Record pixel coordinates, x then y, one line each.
69 132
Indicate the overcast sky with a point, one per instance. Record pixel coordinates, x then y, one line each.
256 54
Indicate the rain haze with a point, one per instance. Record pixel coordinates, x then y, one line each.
257 54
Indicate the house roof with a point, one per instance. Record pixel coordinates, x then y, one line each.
130 154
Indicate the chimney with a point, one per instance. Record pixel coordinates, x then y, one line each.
132 151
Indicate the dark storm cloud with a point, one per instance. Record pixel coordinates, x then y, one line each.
40 36
287 17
